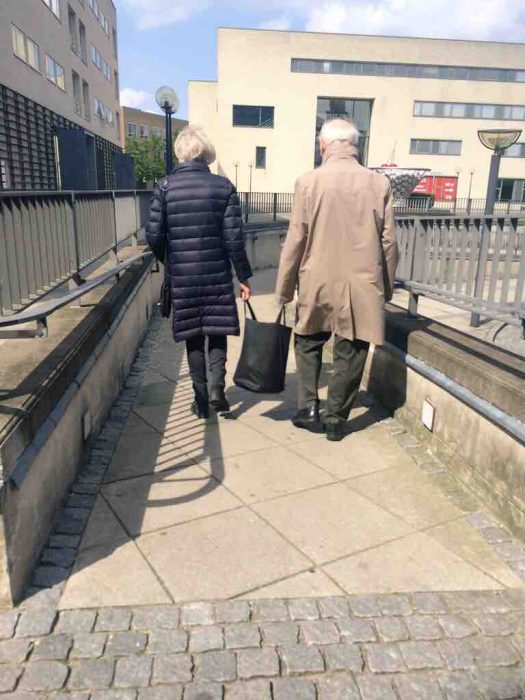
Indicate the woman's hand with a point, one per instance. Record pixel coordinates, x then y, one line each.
246 292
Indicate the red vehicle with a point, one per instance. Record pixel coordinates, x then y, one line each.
443 188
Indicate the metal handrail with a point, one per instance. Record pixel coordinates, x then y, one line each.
39 312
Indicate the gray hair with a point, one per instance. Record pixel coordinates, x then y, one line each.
193 144
339 130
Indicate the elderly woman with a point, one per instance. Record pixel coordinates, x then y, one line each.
195 226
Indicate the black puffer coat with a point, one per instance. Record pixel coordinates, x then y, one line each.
197 214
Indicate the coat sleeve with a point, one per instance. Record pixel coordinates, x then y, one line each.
390 249
234 238
156 224
293 249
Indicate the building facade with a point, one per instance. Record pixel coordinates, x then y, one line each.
417 103
138 124
58 74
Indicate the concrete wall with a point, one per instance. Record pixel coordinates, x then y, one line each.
254 68
51 34
47 468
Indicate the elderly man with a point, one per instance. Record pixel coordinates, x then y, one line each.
341 254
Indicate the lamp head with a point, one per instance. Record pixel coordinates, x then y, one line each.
167 99
498 139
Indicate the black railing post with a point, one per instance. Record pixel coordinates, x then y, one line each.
115 230
246 207
77 277
275 206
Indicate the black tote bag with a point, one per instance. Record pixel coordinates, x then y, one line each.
264 355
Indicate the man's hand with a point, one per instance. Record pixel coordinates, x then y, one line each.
246 292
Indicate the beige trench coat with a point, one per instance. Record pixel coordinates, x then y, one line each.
340 249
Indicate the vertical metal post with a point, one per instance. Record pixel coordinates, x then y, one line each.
479 285
115 245
77 277
275 206
169 138
413 299
134 237
492 187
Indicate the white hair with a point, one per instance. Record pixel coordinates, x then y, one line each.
339 130
193 144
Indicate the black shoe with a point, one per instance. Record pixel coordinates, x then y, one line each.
335 432
201 411
219 401
309 419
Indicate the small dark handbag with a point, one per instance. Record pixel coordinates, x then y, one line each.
165 289
165 299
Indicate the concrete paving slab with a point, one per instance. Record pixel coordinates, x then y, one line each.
103 528
222 556
331 521
459 537
313 583
135 425
416 562
407 493
155 393
154 502
112 575
362 452
144 453
267 474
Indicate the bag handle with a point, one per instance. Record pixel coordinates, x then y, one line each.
250 308
281 318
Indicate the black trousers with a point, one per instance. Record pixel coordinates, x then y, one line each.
196 351
349 364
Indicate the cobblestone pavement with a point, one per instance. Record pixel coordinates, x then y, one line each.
363 570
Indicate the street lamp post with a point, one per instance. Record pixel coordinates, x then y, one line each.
236 174
496 140
167 100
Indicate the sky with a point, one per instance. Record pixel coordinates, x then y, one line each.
168 42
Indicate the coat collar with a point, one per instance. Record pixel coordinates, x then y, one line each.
191 166
340 151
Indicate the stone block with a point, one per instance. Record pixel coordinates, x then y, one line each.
293 689
44 676
300 660
216 666
172 668
242 636
133 672
257 663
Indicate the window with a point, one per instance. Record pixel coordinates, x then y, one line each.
260 157
93 5
54 6
106 69
55 72
114 43
85 99
77 92
515 151
469 110
511 190
72 21
83 42
132 130
104 23
5 178
117 89
157 131
25 48
245 115
359 111
435 147
143 131
96 58
103 112
407 70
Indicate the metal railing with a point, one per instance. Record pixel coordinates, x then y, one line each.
49 238
269 203
468 206
473 263
274 203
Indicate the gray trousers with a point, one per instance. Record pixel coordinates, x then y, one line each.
349 364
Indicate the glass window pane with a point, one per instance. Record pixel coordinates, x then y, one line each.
260 157
518 112
19 47
488 111
60 77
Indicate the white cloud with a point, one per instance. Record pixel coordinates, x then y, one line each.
490 19
280 22
483 20
139 99
149 14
